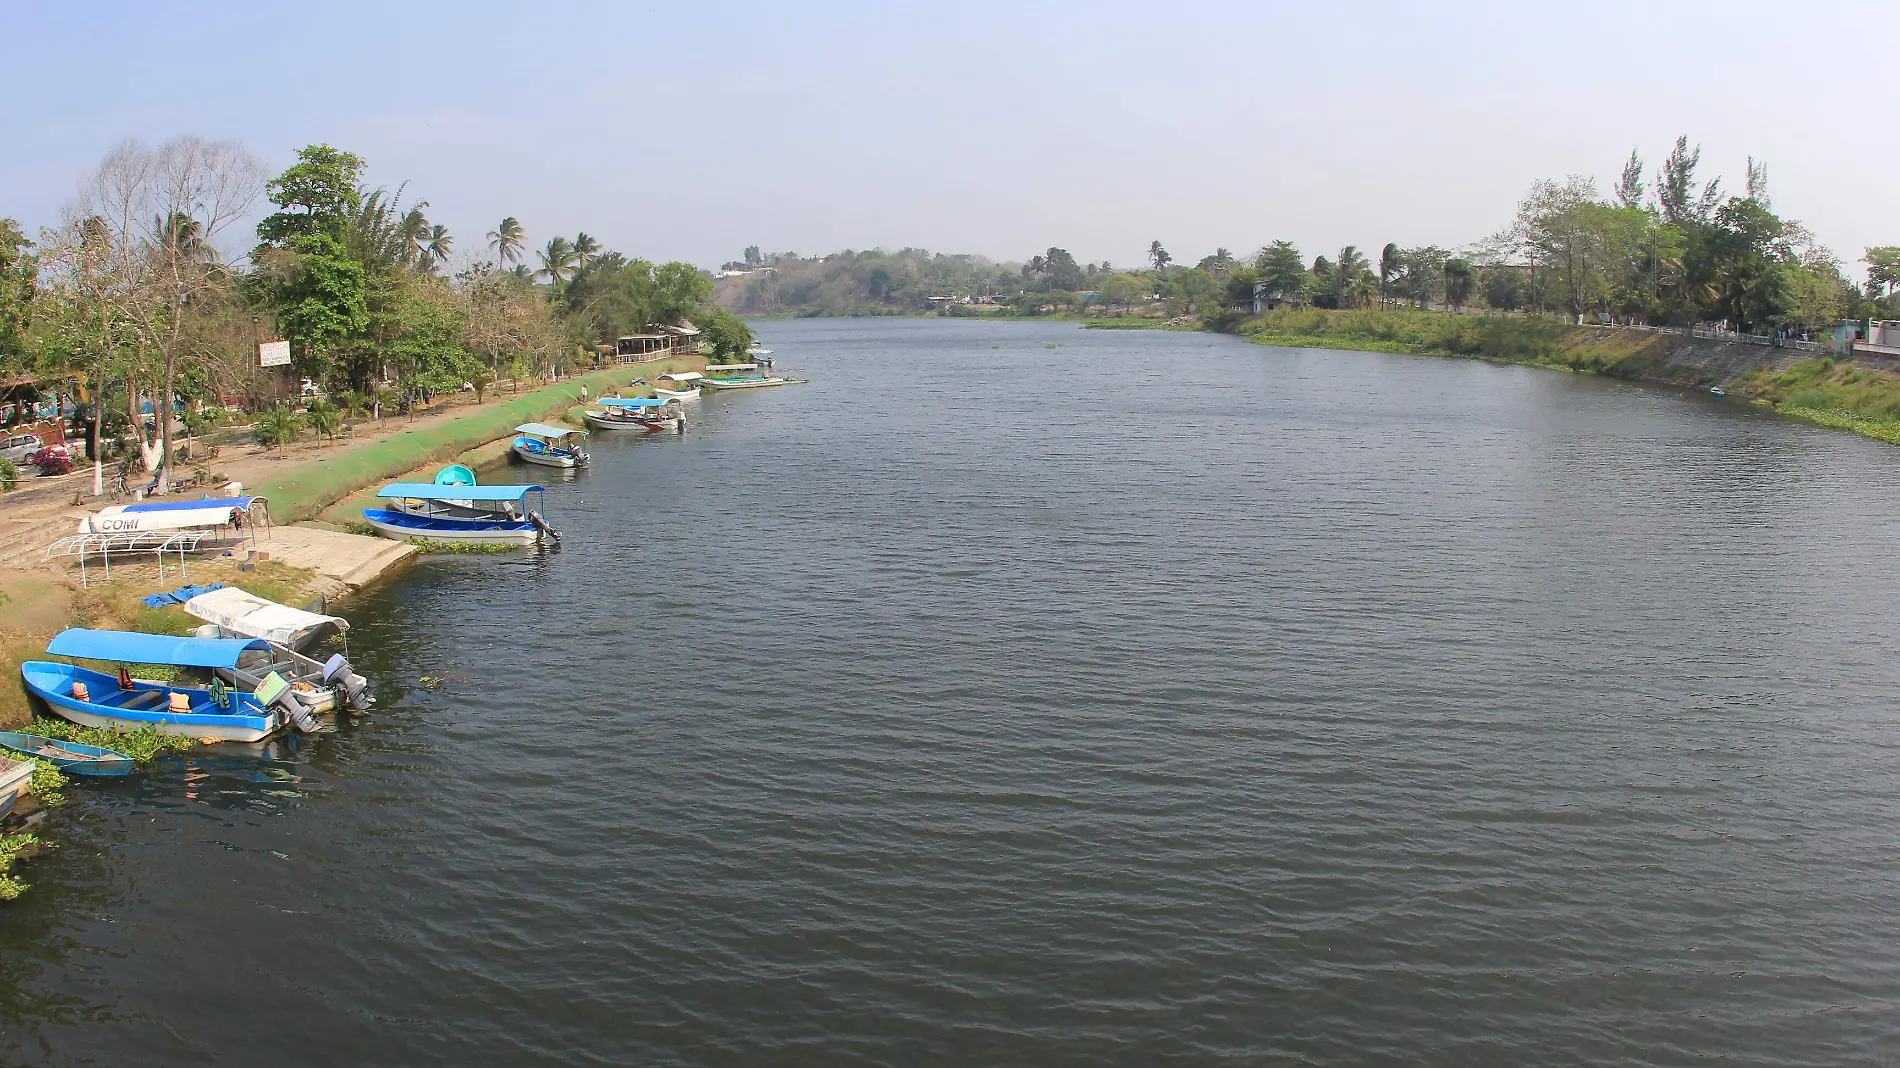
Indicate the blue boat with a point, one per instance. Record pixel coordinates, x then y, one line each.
539 443
117 702
74 757
489 515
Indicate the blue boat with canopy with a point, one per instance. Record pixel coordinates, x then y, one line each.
118 702
648 415
486 515
549 446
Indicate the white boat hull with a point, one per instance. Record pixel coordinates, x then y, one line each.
750 383
231 733
471 537
546 460
678 394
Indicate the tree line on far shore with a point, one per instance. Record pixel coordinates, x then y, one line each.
1666 248
129 300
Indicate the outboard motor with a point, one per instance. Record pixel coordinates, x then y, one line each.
300 717
337 673
540 524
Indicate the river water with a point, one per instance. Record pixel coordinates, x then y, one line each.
1017 694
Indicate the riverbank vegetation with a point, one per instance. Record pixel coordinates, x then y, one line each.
131 306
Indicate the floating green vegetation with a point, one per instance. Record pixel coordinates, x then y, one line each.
48 781
142 744
11 846
462 548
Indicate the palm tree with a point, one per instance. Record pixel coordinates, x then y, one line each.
557 262
412 227
1351 265
507 240
1389 266
1158 255
436 246
586 247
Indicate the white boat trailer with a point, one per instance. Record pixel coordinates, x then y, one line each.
156 542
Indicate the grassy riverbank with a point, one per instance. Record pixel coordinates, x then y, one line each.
1836 395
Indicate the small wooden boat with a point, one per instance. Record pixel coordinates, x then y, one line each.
1717 390
540 443
487 515
739 376
648 415
678 385
14 777
76 758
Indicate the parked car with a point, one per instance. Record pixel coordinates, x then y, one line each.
17 447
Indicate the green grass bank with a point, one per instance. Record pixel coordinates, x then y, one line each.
306 490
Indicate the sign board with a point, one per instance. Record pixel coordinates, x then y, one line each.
273 354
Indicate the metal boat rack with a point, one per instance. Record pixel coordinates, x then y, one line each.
157 542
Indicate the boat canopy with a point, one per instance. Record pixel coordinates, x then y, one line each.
545 431
254 617
178 506
198 515
682 376
132 647
428 491
733 367
632 402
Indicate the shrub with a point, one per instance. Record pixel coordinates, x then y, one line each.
323 418
51 461
1811 398
276 427
9 475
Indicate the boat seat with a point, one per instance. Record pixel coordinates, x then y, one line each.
141 700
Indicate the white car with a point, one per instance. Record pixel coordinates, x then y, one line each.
17 447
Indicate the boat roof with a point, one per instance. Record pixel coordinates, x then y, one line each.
132 647
683 376
733 367
428 491
192 515
632 402
174 506
255 617
546 431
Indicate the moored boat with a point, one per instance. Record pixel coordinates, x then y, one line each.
96 699
549 446
455 475
76 758
322 686
646 414
15 775
488 515
739 376
678 385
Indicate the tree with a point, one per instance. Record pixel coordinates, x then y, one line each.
557 262
19 284
506 241
1629 190
1282 271
586 247
1460 280
1883 269
752 257
162 208
1062 270
437 244
1421 273
1123 289
727 334
1348 292
305 269
1390 264
1676 194
1324 283
1504 288
1159 256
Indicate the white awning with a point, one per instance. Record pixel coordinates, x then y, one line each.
115 521
245 613
683 376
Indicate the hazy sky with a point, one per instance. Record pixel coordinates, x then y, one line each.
690 131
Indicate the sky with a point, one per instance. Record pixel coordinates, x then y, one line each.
690 131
